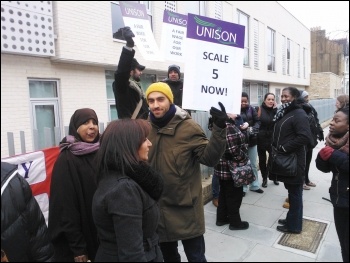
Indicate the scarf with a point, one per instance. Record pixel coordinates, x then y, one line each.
341 144
161 122
149 180
281 111
78 147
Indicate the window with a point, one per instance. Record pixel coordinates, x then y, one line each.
146 80
117 18
243 20
256 44
45 112
271 49
195 7
304 63
256 92
284 55
298 61
288 56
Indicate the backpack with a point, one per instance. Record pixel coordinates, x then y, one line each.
313 128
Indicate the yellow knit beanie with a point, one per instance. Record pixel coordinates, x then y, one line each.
161 87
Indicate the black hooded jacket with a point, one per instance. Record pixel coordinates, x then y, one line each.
24 235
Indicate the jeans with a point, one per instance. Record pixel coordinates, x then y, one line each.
341 221
295 212
307 165
194 250
253 157
215 186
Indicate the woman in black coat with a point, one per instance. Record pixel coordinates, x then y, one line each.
291 135
73 185
125 208
266 113
24 235
334 157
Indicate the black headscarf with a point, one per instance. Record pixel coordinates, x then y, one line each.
79 117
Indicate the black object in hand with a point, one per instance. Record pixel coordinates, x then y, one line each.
128 35
219 116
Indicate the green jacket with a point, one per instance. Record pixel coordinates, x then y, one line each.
177 151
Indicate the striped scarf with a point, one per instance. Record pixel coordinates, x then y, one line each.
281 111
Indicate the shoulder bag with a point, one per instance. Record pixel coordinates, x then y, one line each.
242 174
282 163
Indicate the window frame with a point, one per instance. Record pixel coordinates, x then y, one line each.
246 57
271 49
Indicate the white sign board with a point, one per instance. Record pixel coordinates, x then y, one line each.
135 16
173 36
214 64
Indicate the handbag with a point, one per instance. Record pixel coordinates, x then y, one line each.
242 174
282 163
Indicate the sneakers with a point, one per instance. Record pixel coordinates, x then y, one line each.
215 202
242 226
311 184
305 187
259 191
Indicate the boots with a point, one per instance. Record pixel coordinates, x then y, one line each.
264 183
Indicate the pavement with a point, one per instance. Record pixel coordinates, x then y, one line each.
262 211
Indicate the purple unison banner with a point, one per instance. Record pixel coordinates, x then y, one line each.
174 18
215 31
134 10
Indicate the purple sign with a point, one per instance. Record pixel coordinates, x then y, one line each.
174 18
215 31
134 10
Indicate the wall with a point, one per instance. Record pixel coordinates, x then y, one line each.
324 85
85 82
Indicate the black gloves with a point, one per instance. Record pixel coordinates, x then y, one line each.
128 35
320 136
219 117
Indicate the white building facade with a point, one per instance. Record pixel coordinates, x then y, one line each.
58 56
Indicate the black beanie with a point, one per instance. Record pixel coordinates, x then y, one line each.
175 68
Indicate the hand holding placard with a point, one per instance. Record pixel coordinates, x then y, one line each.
128 35
219 116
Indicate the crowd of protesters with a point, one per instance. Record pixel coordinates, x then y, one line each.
134 192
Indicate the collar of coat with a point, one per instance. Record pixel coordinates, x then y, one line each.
169 129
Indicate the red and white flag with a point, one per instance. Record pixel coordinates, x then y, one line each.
36 168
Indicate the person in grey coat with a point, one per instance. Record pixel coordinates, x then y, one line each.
124 207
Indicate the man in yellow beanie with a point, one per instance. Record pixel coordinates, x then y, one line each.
179 147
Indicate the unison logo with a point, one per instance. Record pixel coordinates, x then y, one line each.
175 19
210 30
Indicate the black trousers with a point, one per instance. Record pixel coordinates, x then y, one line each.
262 150
307 165
194 250
230 200
341 221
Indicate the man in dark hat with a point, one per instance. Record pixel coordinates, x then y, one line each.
130 101
176 84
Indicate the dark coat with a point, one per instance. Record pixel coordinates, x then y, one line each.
71 226
24 235
177 89
177 151
292 132
126 95
266 125
250 115
126 218
338 164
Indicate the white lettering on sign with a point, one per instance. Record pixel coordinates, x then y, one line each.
216 34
